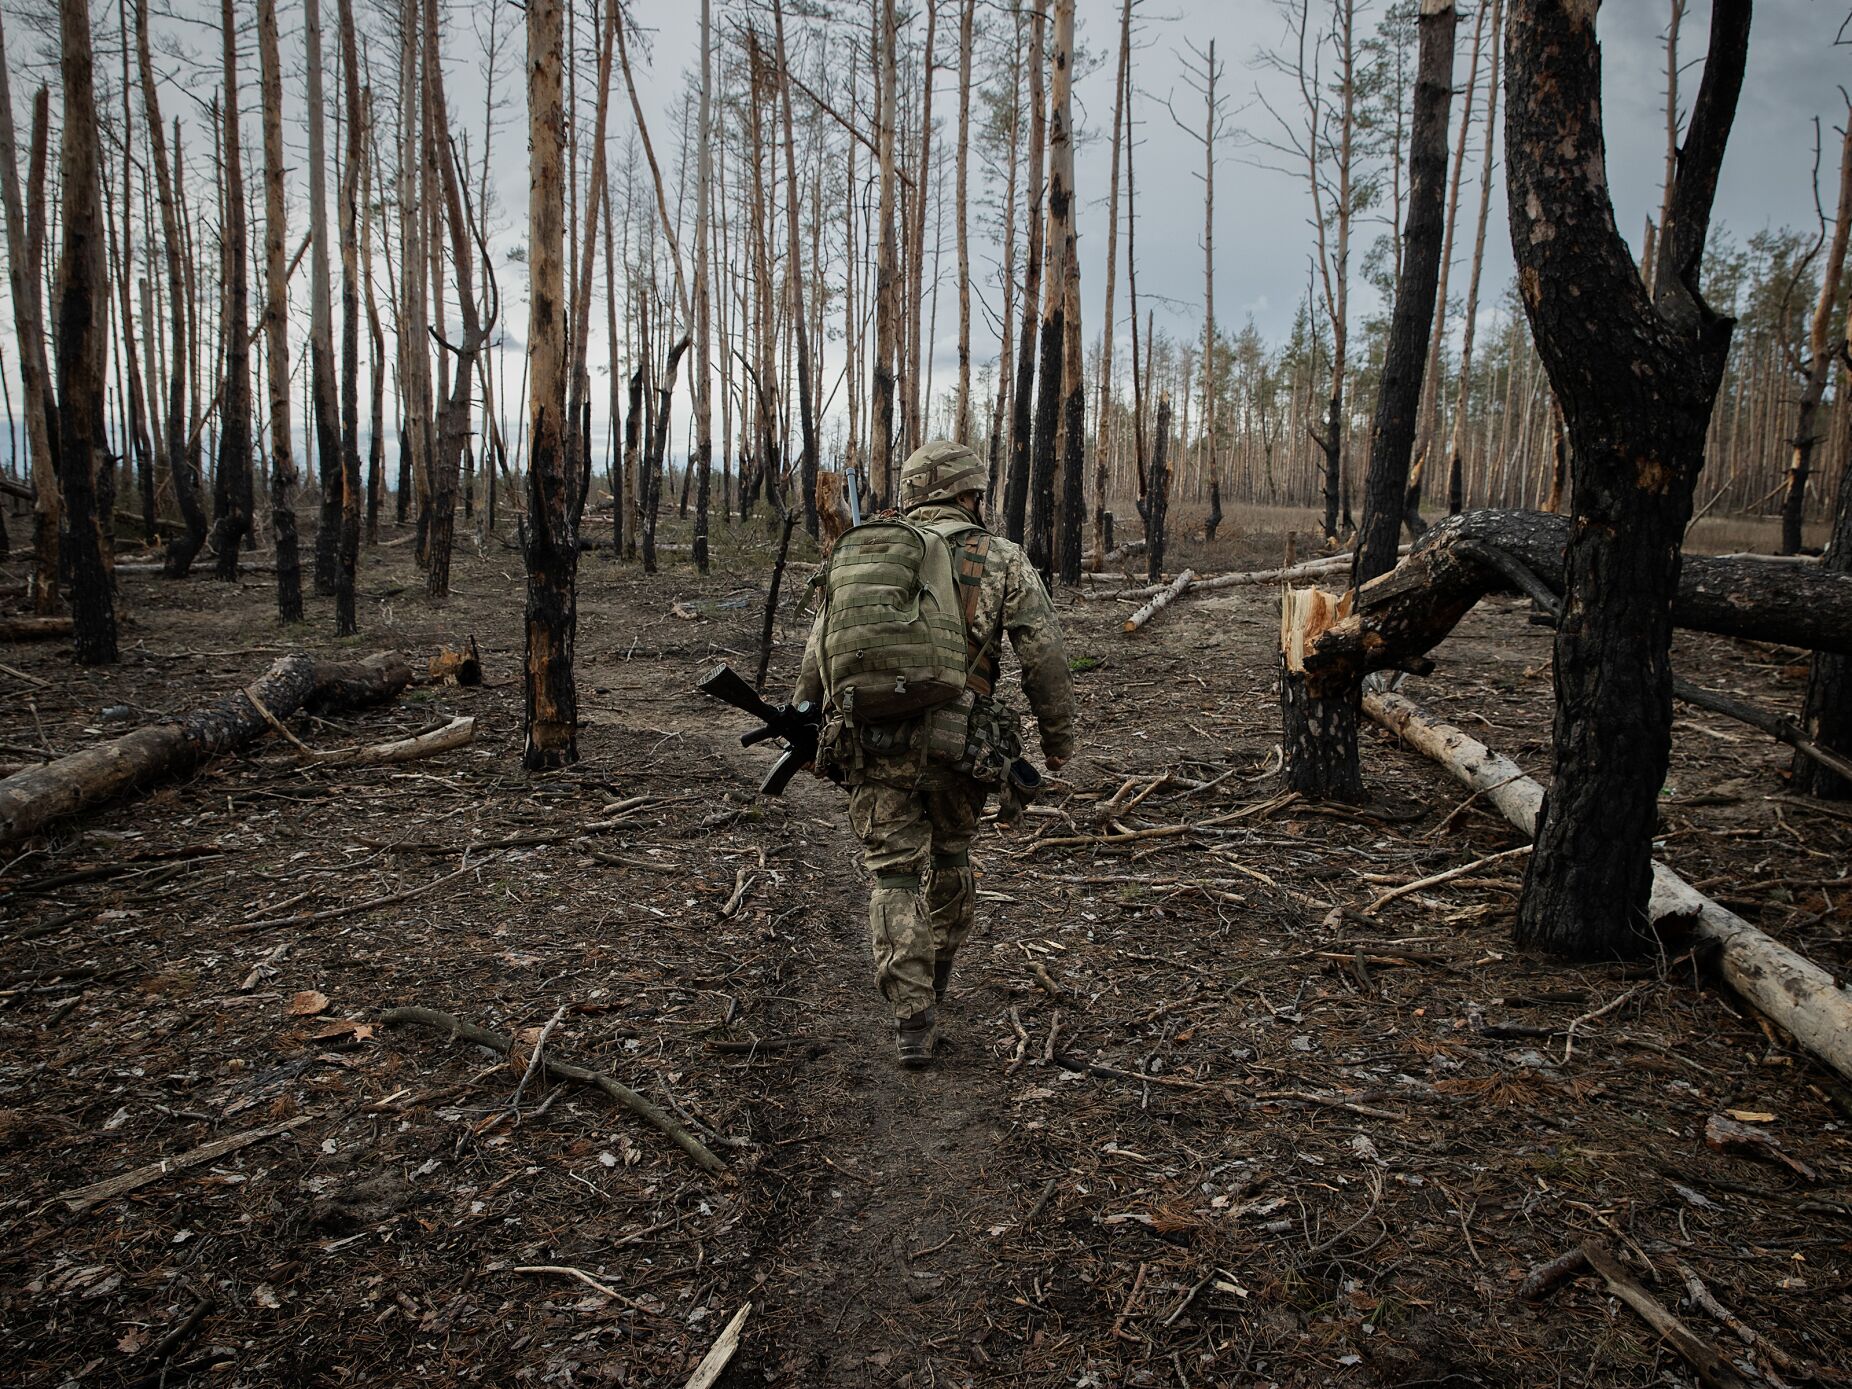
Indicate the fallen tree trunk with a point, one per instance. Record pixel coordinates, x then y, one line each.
1782 730
34 628
1161 600
33 799
1406 613
1784 987
455 734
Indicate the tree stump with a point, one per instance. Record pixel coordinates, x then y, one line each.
1318 733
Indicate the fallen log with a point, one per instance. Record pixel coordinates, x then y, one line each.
1788 989
1161 600
1782 730
1713 1370
455 734
34 798
1402 615
1322 568
34 628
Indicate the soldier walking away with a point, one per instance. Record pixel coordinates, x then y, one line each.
917 784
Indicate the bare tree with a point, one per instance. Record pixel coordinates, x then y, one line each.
551 541
232 487
1637 375
82 301
25 277
276 322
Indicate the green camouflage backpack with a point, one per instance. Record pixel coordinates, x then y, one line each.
893 621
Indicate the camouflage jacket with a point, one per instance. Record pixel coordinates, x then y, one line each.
1011 601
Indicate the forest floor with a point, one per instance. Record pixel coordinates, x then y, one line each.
1201 1117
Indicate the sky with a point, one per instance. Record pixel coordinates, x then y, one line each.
1262 232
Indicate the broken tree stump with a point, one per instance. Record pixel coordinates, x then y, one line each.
1318 731
32 799
1788 989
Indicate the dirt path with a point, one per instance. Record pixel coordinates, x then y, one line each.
1266 1139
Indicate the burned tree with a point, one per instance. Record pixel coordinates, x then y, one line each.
327 417
1637 369
549 535
83 344
232 487
276 322
1398 401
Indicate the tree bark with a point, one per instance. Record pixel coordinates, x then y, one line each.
327 416
276 323
1827 711
1411 326
807 421
1807 430
550 539
1058 241
83 346
1025 405
25 277
1157 493
347 540
32 799
1637 378
232 486
1318 723
887 276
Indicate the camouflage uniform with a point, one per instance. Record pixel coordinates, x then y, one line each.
917 788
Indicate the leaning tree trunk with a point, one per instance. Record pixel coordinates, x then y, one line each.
1398 400
1637 377
276 323
550 539
232 487
83 344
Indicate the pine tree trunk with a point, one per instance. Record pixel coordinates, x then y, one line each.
1027 409
1637 378
347 540
232 487
25 277
1058 241
1157 494
1456 448
887 278
961 409
1827 712
276 322
807 421
1411 326
550 542
83 344
327 416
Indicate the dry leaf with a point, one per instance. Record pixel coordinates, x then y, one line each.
360 1031
308 1003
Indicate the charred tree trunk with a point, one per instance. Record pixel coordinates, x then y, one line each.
1157 493
1398 402
347 540
1827 713
1025 405
1318 725
550 541
83 345
276 323
327 415
888 314
24 264
1637 377
806 413
232 486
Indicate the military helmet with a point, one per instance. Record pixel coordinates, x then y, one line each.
938 471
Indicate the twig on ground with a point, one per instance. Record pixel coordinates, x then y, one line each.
533 1062
708 1372
637 1104
565 1271
1712 1368
1601 1012
391 899
84 1197
1435 879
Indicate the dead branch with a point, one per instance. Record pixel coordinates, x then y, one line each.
84 1197
1712 1368
623 1094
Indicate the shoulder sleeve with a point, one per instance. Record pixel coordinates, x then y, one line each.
1029 618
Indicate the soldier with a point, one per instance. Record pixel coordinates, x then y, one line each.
916 788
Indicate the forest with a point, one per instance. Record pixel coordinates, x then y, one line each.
1400 454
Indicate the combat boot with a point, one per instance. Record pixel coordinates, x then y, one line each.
915 1036
941 976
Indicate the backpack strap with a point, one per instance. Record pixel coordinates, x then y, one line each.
973 553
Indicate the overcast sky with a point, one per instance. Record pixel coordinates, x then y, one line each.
1261 216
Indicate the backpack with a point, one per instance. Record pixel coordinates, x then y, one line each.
893 640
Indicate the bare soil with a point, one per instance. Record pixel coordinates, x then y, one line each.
1201 1117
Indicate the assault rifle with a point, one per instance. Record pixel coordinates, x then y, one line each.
793 724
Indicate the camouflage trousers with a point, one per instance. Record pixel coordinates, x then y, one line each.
916 840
